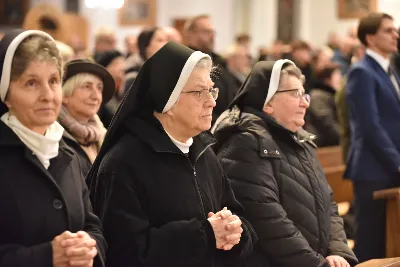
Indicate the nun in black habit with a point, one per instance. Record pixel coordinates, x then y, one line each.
156 184
46 218
275 173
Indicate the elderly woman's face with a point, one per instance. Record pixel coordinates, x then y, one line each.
86 98
287 107
193 111
35 97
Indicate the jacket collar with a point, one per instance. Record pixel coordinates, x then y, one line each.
150 131
9 139
384 63
272 130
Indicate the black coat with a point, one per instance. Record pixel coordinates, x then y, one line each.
276 177
84 160
37 204
153 201
322 119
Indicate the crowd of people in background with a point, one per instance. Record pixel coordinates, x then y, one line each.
324 67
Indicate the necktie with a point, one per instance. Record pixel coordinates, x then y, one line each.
394 81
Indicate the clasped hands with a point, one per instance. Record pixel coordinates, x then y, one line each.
227 228
73 249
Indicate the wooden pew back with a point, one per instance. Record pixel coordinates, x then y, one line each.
392 262
330 156
333 166
392 197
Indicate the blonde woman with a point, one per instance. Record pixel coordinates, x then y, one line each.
86 86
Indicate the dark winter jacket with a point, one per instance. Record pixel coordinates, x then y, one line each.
276 176
322 118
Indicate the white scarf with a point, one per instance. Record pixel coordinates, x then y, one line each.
45 147
184 147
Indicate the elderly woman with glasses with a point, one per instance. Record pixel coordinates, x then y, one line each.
275 174
156 184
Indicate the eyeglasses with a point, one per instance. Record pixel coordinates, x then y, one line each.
204 95
205 31
297 93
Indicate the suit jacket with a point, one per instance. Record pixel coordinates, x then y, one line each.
374 109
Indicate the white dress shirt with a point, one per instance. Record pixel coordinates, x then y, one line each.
385 64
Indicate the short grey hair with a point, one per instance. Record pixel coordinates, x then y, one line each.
204 63
291 70
75 82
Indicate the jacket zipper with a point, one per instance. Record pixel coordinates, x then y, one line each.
197 182
195 175
198 188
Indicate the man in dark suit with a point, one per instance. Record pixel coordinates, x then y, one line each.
373 162
199 34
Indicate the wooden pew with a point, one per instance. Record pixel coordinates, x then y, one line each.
392 262
392 197
332 163
333 166
330 156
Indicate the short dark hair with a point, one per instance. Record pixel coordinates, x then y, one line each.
370 24
299 44
242 38
190 24
327 71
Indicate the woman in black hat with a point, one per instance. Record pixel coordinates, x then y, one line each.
156 184
45 211
86 86
276 175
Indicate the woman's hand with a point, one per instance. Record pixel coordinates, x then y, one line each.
337 261
227 228
60 258
80 250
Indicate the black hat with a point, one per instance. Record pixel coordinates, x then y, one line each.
8 46
144 40
76 66
105 58
156 88
261 84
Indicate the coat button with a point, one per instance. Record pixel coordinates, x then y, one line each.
265 151
57 204
277 152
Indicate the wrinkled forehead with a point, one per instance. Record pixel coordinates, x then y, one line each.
290 81
200 77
